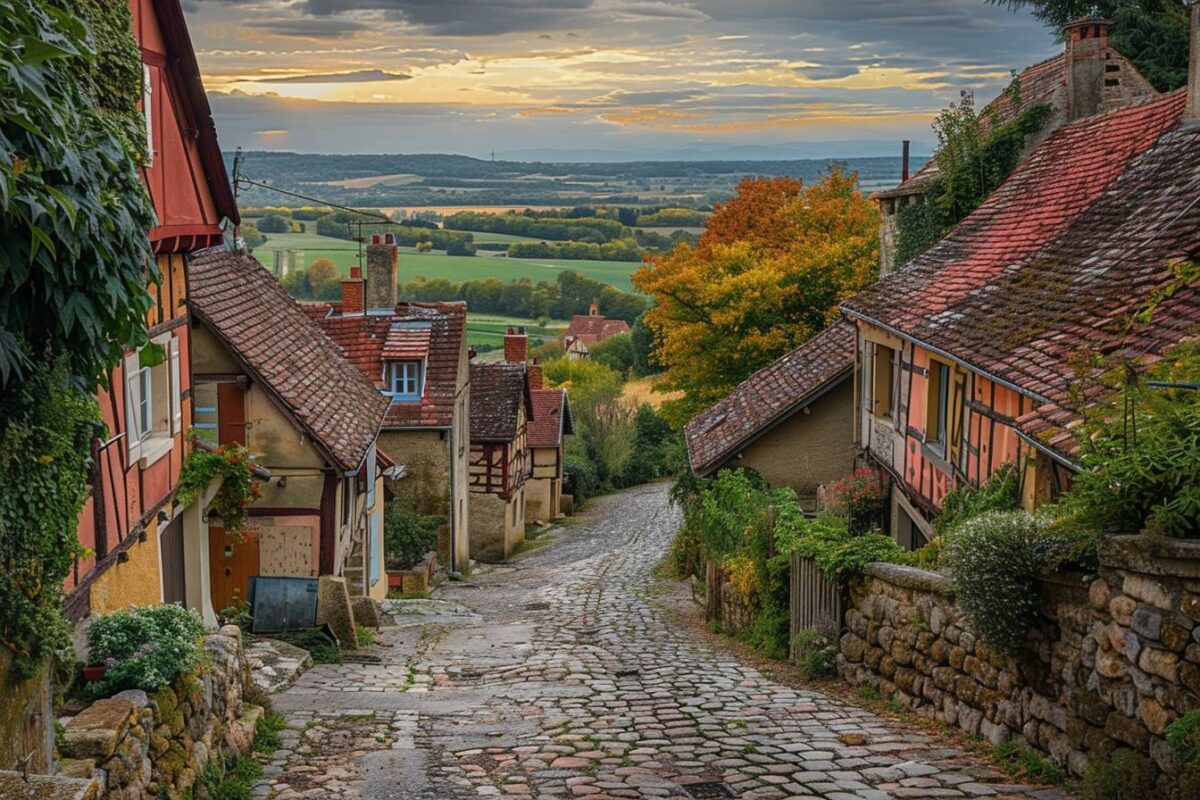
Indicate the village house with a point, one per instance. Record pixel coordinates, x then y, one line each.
500 466
142 547
792 421
1087 78
586 331
266 377
983 350
551 422
416 356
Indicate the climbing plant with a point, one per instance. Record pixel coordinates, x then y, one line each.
74 257
45 441
233 465
975 155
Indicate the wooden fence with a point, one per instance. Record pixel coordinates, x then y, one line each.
817 602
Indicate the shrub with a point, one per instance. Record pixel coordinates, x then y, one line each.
852 555
1001 492
274 223
230 779
266 733
145 647
1125 775
237 614
1184 736
995 560
318 644
861 496
407 534
1021 762
814 653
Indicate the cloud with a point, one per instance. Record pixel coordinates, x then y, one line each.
307 27
459 17
361 76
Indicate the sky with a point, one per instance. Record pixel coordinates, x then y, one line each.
620 76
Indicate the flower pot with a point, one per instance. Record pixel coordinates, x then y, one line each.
94 673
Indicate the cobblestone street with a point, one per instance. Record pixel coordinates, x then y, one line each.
563 675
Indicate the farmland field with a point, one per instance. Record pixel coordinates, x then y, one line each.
489 329
436 264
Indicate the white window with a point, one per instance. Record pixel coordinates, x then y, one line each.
405 379
148 111
153 402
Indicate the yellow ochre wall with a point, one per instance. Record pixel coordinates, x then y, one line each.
138 581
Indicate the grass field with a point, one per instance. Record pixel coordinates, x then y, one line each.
308 247
489 329
481 237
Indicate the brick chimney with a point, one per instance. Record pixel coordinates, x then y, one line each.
382 260
594 308
535 375
1087 45
516 346
1191 114
352 292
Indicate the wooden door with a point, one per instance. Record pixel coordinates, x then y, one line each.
231 414
174 582
232 562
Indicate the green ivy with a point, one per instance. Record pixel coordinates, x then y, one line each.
233 464
46 428
75 260
974 157
1000 492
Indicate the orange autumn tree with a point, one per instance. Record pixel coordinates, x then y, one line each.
765 276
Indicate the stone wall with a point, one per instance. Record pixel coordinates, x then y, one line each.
1113 659
145 746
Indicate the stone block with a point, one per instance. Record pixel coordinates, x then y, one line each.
1099 594
1127 730
333 609
366 612
1147 623
1175 637
1154 716
1122 608
97 730
1160 663
1147 590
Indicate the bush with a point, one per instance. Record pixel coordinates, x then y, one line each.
459 247
407 534
145 647
1021 762
1125 775
274 223
996 559
862 496
230 779
318 644
237 614
814 652
1001 492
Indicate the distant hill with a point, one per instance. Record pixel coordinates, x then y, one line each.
440 179
788 151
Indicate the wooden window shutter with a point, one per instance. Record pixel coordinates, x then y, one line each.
957 401
133 396
176 389
231 414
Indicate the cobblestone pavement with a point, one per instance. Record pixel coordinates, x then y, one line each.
563 676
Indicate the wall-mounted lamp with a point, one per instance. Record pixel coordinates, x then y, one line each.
122 557
163 517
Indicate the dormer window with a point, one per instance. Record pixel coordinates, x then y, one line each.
406 379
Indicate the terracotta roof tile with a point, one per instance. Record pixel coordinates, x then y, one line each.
590 330
768 396
551 418
497 392
1061 259
286 351
369 340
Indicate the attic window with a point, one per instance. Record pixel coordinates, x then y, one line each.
406 379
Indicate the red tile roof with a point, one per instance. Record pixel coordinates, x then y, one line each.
1061 260
770 396
1038 84
551 418
497 392
286 352
590 330
368 340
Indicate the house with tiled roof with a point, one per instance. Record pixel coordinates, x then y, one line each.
588 330
415 355
982 350
266 376
551 423
1089 77
500 467
792 421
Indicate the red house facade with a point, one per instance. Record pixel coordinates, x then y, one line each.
140 548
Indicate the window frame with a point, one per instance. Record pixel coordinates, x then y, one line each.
937 400
885 395
397 377
148 110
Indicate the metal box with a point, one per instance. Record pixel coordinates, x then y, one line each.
279 605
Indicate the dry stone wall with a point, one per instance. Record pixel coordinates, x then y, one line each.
1112 661
144 746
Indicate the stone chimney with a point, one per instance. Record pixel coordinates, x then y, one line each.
904 161
1191 114
352 292
535 375
594 308
1087 45
382 260
516 346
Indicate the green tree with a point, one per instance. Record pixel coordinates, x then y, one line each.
274 223
252 236
1153 34
616 352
